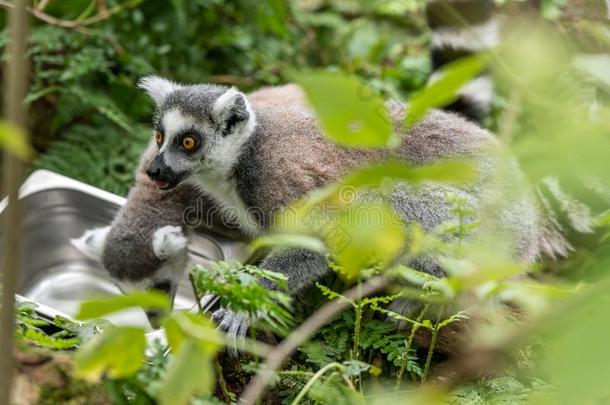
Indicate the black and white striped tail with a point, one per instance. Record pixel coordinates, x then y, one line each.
461 28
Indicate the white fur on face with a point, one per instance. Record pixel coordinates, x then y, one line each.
92 242
174 123
212 171
168 242
214 177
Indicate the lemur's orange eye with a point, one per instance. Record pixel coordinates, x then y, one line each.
188 143
159 137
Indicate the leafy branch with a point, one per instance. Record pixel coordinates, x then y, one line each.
278 355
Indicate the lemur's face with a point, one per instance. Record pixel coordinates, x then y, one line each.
197 128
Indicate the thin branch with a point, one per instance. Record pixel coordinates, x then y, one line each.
15 91
405 360
196 293
437 327
231 80
103 14
78 27
221 381
101 5
280 353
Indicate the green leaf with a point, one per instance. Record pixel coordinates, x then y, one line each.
576 357
239 290
118 353
14 140
603 220
331 295
289 240
444 90
350 112
181 327
100 307
189 372
41 339
365 235
352 229
375 175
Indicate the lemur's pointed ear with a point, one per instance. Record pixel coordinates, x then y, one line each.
92 242
157 87
232 111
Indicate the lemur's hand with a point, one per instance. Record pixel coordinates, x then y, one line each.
234 325
169 242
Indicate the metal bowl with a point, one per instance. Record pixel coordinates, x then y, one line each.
58 276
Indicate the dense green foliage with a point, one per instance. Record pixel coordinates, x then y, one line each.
88 114
56 334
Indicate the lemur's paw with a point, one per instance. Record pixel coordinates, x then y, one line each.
234 325
169 241
91 243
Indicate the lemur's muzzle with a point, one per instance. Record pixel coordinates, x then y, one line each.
163 175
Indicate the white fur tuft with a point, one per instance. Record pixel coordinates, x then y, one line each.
92 242
168 242
157 87
224 102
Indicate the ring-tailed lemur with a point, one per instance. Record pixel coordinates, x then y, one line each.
145 247
253 159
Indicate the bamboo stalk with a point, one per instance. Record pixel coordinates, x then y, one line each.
10 262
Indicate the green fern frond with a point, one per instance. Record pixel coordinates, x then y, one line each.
99 154
331 295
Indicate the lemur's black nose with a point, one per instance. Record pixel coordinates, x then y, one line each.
155 169
162 174
153 172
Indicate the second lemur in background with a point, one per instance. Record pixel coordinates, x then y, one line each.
461 28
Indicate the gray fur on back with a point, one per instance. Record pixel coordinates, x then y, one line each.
289 156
